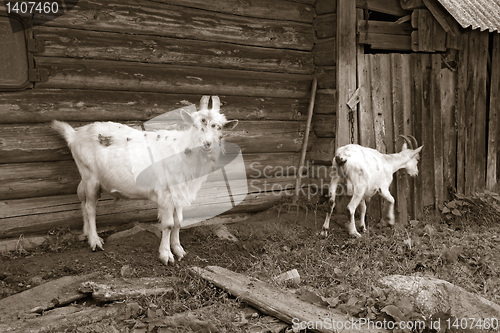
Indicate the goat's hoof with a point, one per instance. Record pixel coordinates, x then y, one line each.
362 229
355 234
178 251
324 233
167 258
96 243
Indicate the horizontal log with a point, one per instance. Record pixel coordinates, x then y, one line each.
324 125
39 215
114 75
379 27
27 180
326 101
39 143
43 105
157 19
322 151
324 52
275 10
391 7
62 42
326 25
386 41
326 77
325 7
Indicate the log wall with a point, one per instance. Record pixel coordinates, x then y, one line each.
325 55
127 61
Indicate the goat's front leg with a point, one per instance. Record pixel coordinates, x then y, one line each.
390 210
362 212
332 191
174 236
351 209
166 215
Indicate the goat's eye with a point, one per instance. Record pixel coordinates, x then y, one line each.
219 127
213 125
204 120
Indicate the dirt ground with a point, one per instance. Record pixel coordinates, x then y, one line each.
339 270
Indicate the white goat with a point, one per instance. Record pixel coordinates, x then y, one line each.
109 154
366 171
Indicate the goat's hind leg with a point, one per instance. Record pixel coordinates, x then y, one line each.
91 189
332 191
362 212
175 241
351 209
83 200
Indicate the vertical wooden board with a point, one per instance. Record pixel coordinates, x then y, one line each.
460 112
346 67
406 87
437 128
448 107
417 93
400 184
380 91
365 115
427 134
438 39
425 29
494 118
480 115
470 110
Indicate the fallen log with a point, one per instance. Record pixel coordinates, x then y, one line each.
120 289
280 303
43 297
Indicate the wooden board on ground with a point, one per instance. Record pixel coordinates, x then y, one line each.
278 303
43 297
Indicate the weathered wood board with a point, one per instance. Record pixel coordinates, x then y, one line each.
82 105
43 297
82 44
278 303
166 20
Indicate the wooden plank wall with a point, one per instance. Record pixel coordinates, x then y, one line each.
445 108
324 51
128 62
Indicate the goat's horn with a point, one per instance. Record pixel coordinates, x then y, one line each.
204 102
408 141
414 141
215 103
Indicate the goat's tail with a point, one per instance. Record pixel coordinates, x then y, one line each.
64 129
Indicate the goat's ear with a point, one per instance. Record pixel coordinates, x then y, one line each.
230 124
186 116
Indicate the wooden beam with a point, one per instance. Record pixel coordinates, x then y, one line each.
386 41
380 27
411 4
444 18
392 7
494 118
346 68
276 302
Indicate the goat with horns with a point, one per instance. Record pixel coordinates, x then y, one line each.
108 155
366 171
